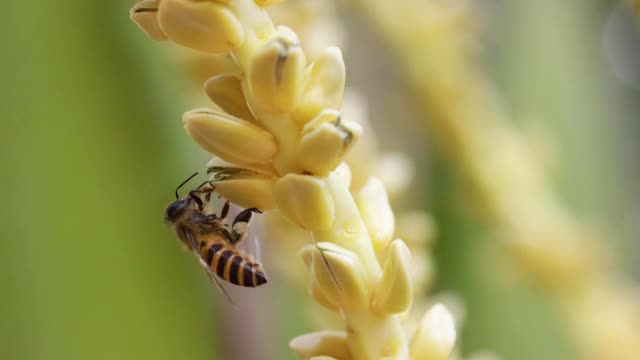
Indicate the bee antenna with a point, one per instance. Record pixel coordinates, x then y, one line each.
183 183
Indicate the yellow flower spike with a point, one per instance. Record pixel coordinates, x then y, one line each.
376 213
276 73
228 137
435 337
395 289
321 150
331 344
306 201
265 3
145 15
206 26
324 86
323 205
225 91
340 276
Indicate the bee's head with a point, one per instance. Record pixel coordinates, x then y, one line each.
176 209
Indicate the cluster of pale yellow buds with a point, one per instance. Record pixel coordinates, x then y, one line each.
314 22
279 143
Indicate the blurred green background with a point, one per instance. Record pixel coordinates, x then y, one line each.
93 147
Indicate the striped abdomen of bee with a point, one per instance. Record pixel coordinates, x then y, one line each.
230 263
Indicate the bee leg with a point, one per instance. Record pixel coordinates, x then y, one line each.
206 219
208 182
205 223
225 210
240 224
197 200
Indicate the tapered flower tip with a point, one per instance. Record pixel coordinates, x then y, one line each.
376 213
206 26
145 15
225 91
395 290
229 137
322 344
343 174
436 335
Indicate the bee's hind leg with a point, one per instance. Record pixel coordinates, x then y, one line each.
241 223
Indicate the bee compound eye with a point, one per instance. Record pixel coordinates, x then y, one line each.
174 210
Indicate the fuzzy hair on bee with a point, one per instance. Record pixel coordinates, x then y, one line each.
212 239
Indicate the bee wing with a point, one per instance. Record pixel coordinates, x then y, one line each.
213 277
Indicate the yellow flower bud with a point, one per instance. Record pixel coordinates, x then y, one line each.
314 290
376 213
324 86
145 15
321 299
229 137
276 74
225 91
339 275
244 187
435 336
254 192
323 344
395 289
322 150
265 3
206 26
306 201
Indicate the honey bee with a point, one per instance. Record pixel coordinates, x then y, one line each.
212 240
